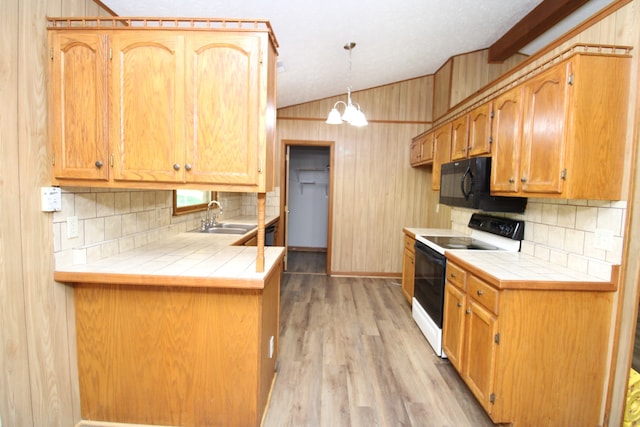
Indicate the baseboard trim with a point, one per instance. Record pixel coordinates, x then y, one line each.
379 275
91 423
305 249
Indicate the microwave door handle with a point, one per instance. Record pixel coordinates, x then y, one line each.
467 174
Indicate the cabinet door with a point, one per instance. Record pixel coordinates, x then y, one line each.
543 135
147 98
453 325
426 149
480 130
408 273
414 156
442 152
459 137
507 137
78 105
223 108
480 353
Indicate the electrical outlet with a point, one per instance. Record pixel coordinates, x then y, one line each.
271 346
72 227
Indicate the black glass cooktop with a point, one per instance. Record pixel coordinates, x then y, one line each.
449 242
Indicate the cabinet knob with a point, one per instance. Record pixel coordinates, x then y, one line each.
459 304
511 180
453 275
99 164
176 166
523 179
187 166
468 311
480 293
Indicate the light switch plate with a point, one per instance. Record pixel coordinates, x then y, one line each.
50 199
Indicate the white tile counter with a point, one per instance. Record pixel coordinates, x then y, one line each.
515 270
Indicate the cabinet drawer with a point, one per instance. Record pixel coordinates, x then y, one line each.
456 276
484 293
408 244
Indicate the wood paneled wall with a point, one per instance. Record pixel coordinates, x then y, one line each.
38 386
376 192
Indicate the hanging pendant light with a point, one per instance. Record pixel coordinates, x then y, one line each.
352 113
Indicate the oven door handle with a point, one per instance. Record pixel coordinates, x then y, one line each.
430 254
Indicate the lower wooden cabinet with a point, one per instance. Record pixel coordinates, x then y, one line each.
530 356
408 268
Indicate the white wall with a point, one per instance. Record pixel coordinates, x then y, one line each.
308 203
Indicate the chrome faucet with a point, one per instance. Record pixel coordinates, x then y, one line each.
211 219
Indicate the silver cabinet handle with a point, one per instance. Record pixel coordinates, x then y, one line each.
459 304
480 293
523 179
511 180
176 166
468 311
187 166
99 164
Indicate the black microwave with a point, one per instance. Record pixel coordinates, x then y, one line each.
467 184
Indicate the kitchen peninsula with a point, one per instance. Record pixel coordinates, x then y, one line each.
182 331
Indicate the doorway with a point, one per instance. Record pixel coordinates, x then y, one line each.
307 205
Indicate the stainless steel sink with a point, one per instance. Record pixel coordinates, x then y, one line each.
226 228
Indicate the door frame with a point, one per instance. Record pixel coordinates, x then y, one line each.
284 181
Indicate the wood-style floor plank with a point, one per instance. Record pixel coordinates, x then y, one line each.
351 355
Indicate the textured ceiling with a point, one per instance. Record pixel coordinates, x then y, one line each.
395 40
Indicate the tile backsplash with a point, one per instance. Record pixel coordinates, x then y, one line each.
111 221
582 235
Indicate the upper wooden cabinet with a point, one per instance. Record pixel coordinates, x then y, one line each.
558 134
146 123
422 149
78 105
562 133
459 137
223 108
471 133
480 138
163 108
442 152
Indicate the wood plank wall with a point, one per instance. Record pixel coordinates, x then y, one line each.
38 386
376 192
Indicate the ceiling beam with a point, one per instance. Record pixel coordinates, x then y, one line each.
544 16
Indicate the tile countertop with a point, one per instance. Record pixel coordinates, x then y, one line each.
515 270
185 259
413 232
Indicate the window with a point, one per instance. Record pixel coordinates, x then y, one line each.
186 201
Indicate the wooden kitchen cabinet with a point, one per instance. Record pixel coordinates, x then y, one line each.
442 152
459 137
147 114
223 108
162 108
480 138
504 342
568 131
422 149
507 134
408 268
78 97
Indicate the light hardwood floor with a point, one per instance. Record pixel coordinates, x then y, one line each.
350 355
306 262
